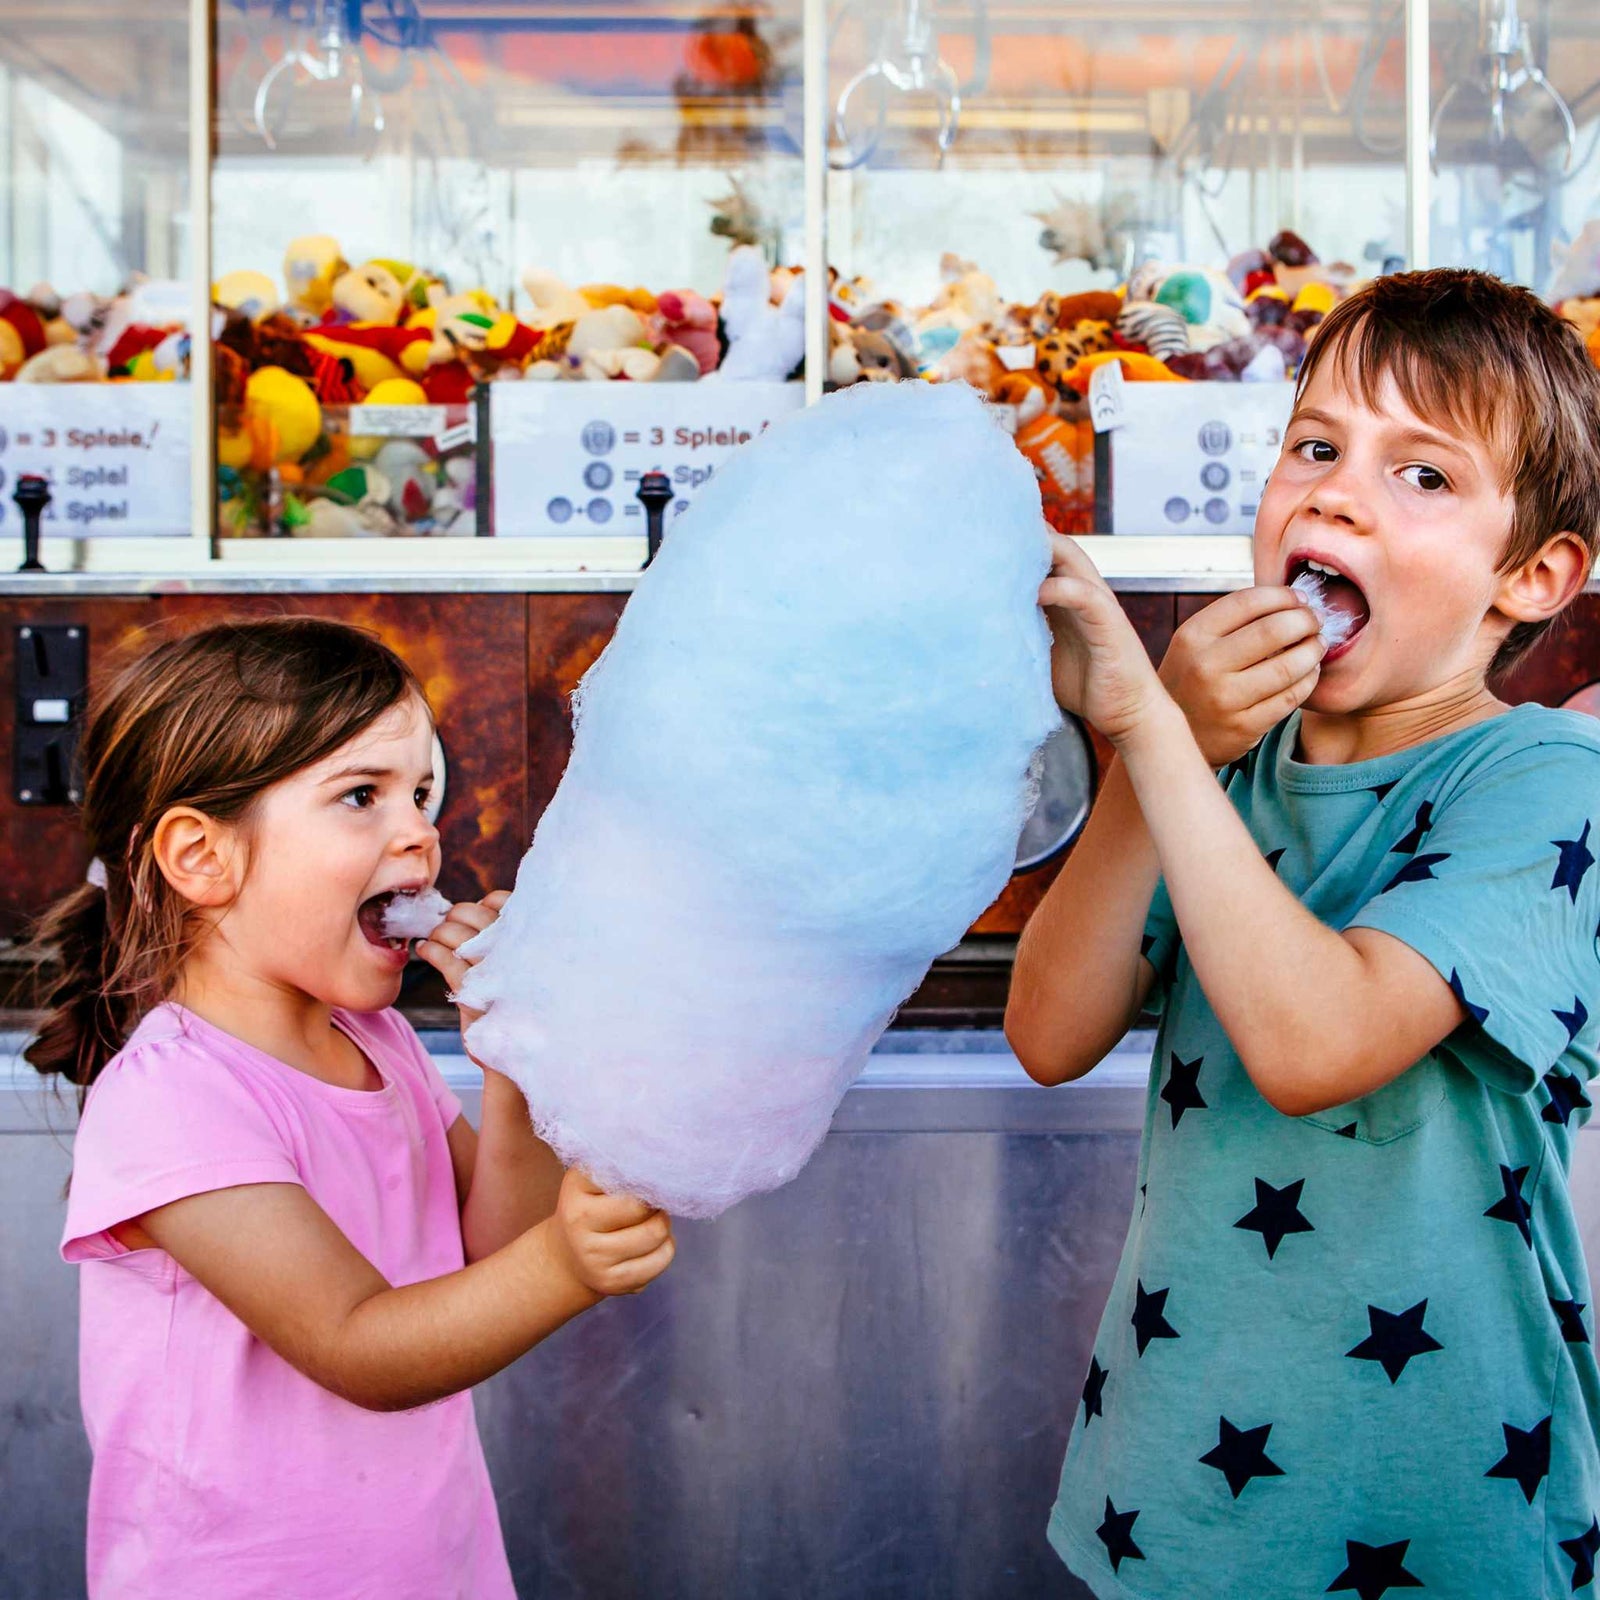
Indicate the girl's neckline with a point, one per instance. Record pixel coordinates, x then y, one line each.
190 1021
1340 776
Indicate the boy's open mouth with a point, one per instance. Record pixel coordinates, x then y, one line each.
369 917
1339 600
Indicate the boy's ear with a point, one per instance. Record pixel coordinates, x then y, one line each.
1546 582
198 856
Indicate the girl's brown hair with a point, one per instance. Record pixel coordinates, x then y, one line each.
210 720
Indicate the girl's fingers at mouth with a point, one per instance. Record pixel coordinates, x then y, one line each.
444 961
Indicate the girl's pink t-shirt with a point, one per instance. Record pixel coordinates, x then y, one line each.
219 1470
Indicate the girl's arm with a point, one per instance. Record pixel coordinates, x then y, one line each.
507 1177
277 1261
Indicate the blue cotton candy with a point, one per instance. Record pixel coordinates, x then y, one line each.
799 774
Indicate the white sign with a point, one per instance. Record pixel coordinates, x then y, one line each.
568 456
116 457
1194 457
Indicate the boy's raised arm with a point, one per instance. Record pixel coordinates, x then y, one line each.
1080 979
1253 946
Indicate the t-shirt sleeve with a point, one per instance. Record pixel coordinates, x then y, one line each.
163 1122
1497 890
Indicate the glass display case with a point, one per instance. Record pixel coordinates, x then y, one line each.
473 267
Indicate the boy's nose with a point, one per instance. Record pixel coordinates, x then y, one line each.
1338 498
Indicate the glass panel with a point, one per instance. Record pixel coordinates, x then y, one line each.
987 158
1516 139
94 248
436 194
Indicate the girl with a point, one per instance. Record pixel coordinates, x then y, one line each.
297 1255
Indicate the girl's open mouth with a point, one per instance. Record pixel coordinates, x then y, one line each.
369 917
1335 597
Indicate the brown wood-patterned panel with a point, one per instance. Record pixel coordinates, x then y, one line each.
566 633
468 650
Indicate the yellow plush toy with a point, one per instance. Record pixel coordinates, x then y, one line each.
252 294
310 265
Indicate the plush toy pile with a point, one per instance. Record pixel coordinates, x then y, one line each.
89 338
1247 323
386 333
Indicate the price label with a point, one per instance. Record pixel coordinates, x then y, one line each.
116 457
1194 457
568 456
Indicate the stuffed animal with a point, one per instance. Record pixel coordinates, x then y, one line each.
60 363
689 320
1059 354
764 341
310 266
553 302
369 294
1584 315
22 334
251 294
610 343
1027 394
601 296
972 361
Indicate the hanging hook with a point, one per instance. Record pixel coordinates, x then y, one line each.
1506 51
910 65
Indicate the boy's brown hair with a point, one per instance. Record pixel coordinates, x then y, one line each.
1487 358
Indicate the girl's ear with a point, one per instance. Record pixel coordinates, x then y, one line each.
198 856
1545 583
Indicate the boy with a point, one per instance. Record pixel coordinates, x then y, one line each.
1349 1347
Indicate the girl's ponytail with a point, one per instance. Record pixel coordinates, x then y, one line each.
85 1022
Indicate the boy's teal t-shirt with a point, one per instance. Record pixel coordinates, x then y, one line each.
1353 1352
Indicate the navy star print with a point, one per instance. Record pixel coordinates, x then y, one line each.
1581 1553
1573 867
1569 1314
1182 1088
1420 829
1275 856
1381 790
1116 1534
1395 1339
1477 1013
1374 1569
1527 1458
1575 1019
1094 1386
1149 1317
1511 1206
1416 870
1241 1454
1275 1214
1566 1096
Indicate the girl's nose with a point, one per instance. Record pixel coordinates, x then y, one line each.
417 835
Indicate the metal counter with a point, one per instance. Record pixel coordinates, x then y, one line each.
856 1388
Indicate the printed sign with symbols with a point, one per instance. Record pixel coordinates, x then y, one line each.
1188 458
568 456
116 457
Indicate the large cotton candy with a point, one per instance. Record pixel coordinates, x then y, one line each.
800 771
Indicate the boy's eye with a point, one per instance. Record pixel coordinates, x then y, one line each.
1316 450
361 797
1429 479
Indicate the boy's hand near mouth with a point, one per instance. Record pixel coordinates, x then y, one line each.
1240 666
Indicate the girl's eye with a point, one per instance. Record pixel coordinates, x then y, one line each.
361 797
422 796
1429 479
1318 450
